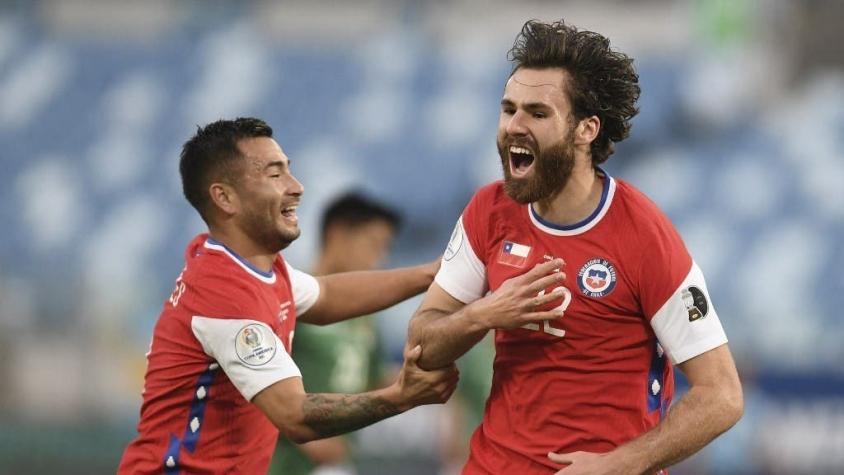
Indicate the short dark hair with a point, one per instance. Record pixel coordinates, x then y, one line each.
603 82
212 154
353 208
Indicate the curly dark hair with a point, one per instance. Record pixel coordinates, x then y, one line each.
212 155
603 82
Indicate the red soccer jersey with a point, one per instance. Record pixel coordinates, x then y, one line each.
223 336
598 376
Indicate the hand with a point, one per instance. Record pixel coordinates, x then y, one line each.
514 303
418 387
587 463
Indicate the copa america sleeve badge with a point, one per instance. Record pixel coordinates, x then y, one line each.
255 344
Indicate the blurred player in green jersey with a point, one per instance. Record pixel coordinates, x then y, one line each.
344 357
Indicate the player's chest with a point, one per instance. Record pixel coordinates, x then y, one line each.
600 273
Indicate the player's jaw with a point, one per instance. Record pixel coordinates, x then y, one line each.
287 222
272 225
531 173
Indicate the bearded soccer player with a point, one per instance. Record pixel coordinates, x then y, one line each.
220 382
589 288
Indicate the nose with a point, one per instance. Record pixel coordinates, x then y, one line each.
515 125
294 187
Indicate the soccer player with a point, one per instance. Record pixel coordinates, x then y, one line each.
220 383
592 294
356 234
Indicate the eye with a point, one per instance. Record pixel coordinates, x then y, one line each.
508 110
539 115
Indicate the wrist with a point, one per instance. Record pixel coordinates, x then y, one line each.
392 394
628 461
473 314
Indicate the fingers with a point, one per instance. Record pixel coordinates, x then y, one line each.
568 458
555 294
543 268
412 356
564 458
537 317
546 281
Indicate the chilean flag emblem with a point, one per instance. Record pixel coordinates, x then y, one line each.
513 254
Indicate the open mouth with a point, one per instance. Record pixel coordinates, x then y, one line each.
521 161
289 212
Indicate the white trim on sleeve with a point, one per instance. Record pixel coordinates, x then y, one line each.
461 273
250 353
305 289
687 324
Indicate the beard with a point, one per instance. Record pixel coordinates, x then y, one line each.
268 233
552 169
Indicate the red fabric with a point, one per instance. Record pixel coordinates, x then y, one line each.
589 389
234 436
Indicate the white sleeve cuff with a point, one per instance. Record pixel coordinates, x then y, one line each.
687 324
462 275
250 353
305 289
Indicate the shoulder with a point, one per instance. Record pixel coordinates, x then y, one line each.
491 199
217 287
491 194
638 212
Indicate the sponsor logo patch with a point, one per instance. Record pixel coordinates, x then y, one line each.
695 301
596 278
255 344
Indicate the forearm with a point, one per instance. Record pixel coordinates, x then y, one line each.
327 415
700 416
444 337
352 294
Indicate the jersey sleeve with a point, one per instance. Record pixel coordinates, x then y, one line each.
462 272
249 352
687 324
674 296
305 289
227 321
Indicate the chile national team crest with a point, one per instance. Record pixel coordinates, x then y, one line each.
596 278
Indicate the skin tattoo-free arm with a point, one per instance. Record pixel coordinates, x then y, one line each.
713 404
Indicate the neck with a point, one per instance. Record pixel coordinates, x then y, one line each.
576 200
244 246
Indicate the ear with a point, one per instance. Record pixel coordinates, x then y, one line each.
224 197
586 130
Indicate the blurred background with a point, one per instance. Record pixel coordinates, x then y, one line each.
739 140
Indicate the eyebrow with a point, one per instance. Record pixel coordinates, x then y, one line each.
277 163
527 106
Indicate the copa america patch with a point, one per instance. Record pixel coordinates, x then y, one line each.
455 242
255 344
596 278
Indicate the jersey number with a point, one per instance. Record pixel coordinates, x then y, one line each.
546 325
